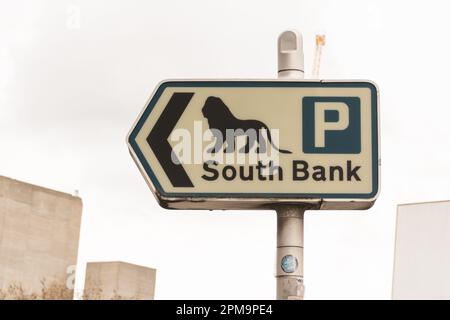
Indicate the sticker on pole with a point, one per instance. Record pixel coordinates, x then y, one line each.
252 144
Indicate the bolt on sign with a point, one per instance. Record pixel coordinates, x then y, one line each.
254 144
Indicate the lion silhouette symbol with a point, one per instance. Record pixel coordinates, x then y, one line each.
220 119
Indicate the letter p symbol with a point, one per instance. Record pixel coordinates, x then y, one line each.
331 125
322 123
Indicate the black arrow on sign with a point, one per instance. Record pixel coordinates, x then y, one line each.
157 139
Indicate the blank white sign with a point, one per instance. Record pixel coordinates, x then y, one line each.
422 251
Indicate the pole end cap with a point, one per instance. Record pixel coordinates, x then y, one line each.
290 51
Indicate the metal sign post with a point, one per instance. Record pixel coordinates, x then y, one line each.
290 217
288 145
290 252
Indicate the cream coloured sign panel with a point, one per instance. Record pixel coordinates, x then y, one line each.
231 144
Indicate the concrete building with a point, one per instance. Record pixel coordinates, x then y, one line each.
119 280
422 251
39 233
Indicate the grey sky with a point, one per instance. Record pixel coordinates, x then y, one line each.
69 94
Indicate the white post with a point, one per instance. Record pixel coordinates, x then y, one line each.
290 217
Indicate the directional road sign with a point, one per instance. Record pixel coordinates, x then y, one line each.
235 144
